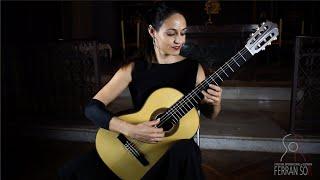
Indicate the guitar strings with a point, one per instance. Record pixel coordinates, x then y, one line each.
205 82
131 147
214 74
197 88
185 98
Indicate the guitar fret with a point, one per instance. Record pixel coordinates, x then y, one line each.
191 102
224 72
213 80
210 78
235 61
178 112
174 118
184 108
219 77
242 57
193 99
230 67
198 97
188 105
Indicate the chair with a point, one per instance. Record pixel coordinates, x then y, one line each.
198 133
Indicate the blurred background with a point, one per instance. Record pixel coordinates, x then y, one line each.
56 55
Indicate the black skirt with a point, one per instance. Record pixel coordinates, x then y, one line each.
181 161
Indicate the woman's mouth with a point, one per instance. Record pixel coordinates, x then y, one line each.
176 47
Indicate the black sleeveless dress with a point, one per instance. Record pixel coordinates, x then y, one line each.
183 159
147 78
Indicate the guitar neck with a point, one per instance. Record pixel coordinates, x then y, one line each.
224 72
187 102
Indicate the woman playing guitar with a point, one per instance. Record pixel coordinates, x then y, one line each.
159 65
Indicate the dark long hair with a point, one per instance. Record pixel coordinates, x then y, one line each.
155 17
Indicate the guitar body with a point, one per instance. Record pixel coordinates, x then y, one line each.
113 152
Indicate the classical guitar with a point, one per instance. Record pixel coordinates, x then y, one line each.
131 159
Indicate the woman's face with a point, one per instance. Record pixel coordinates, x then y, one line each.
171 35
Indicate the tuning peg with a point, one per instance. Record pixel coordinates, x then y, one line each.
275 38
263 49
259 45
262 23
269 43
251 34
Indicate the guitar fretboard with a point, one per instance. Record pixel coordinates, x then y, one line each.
192 99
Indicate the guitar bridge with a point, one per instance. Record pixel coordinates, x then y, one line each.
133 150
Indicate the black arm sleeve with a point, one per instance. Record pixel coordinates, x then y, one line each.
96 111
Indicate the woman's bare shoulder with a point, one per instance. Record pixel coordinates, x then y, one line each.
127 67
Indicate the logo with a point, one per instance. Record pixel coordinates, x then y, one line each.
292 162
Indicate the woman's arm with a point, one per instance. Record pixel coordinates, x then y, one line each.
212 96
101 116
96 111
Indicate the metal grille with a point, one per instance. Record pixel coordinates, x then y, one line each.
63 77
305 112
82 64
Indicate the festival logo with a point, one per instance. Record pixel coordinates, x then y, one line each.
292 162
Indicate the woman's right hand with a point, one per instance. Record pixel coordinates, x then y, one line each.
146 132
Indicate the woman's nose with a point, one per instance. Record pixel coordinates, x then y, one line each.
178 39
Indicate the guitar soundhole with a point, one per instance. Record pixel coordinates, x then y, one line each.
168 126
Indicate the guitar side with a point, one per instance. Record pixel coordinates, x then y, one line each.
120 160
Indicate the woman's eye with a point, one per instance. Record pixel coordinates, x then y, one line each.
170 34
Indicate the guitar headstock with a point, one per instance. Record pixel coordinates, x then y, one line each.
263 37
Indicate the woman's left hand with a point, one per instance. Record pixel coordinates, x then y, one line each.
212 95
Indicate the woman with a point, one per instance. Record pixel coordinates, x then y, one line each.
161 65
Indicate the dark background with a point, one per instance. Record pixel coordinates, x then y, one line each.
36 36
41 84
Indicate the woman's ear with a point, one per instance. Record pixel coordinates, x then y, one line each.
151 31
